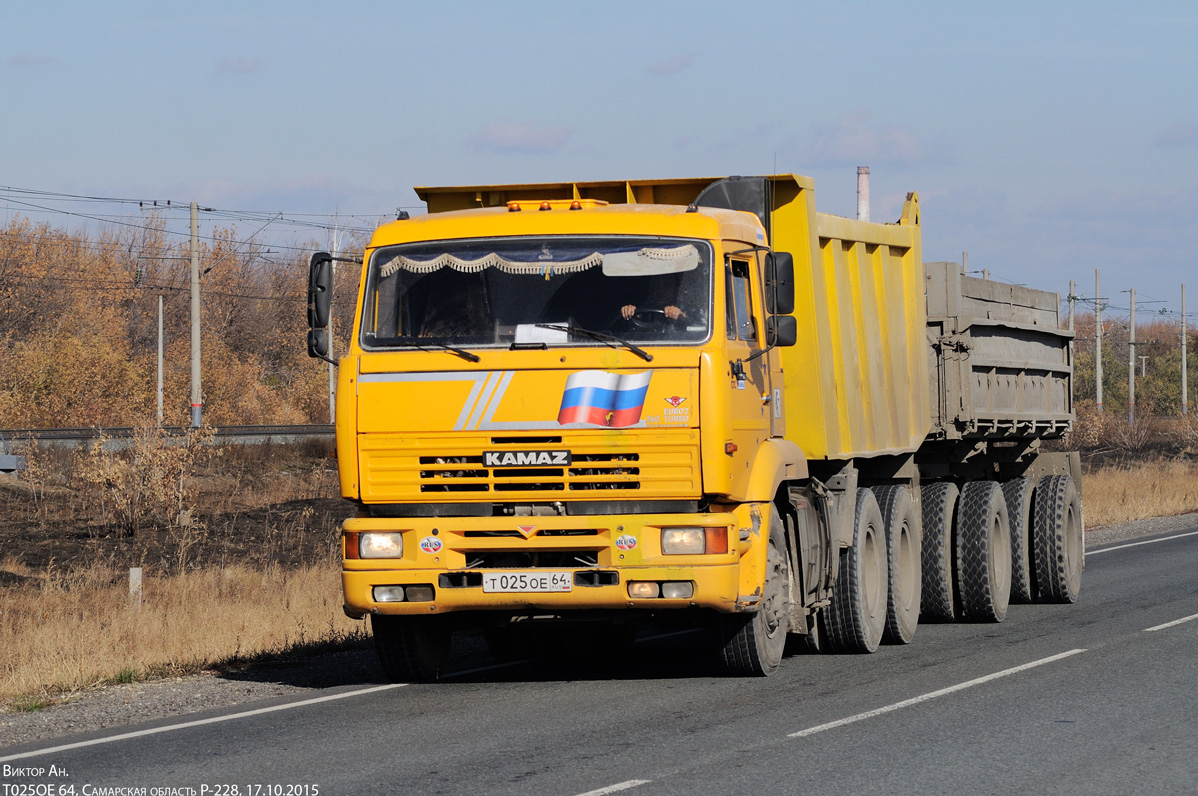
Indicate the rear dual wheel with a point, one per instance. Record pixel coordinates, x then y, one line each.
1018 493
1060 552
903 565
855 619
938 601
983 552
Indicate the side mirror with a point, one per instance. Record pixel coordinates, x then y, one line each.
779 283
781 330
320 284
318 343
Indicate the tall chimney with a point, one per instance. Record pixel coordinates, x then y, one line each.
863 193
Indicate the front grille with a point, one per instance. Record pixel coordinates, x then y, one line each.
642 465
588 472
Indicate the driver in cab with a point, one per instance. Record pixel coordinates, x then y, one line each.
662 298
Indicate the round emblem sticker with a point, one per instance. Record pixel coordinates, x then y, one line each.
430 544
626 542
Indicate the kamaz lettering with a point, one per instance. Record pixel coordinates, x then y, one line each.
525 458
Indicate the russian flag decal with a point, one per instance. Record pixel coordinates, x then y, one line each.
602 398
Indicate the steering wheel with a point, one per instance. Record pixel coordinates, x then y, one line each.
650 318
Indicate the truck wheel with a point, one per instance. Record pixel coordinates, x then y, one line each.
753 644
411 648
1059 544
856 617
1018 494
937 601
902 562
509 643
983 552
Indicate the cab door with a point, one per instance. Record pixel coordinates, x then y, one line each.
748 380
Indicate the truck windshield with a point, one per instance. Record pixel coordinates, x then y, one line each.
530 292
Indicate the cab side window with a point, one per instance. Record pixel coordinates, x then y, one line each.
740 314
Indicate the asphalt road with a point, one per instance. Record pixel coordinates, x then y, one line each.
1099 697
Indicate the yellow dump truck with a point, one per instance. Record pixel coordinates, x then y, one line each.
570 409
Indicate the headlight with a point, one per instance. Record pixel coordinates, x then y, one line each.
683 541
380 545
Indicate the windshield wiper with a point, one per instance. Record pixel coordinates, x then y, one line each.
611 340
466 355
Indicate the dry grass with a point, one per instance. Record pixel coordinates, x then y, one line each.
1139 490
70 632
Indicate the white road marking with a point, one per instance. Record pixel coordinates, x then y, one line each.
1171 624
198 723
869 714
632 783
1137 544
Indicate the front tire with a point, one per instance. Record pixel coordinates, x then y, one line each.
411 648
753 644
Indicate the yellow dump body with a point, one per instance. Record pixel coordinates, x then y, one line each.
856 380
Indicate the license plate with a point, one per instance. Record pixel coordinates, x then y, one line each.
500 582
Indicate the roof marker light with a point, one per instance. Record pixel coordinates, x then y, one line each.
576 205
513 207
546 206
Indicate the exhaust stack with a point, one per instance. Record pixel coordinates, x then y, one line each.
863 193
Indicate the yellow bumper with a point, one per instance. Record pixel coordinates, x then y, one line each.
602 555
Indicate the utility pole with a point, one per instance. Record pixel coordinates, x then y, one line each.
160 360
1072 299
1097 342
1131 362
197 402
1185 403
336 247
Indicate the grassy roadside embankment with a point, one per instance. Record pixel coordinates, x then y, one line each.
234 592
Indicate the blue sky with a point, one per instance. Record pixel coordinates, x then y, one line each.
1046 138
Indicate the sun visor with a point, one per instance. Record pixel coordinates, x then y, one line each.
651 262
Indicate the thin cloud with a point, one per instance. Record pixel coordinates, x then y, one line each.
27 59
855 139
521 138
1178 135
240 66
672 66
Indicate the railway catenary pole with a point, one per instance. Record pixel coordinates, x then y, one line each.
335 234
1131 362
197 403
1097 342
1185 403
1072 353
160 359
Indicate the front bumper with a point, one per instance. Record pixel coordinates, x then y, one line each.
602 554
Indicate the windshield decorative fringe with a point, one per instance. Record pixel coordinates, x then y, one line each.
509 266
